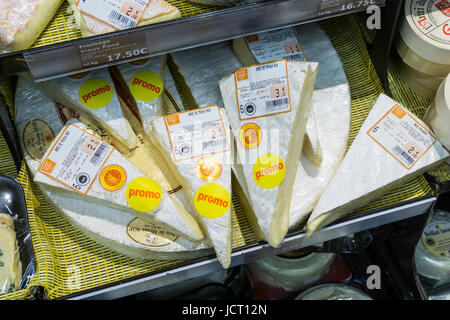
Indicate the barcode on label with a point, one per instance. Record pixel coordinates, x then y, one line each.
277 102
294 57
98 154
215 143
402 153
121 19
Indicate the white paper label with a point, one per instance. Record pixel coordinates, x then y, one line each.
196 133
76 159
275 45
262 90
119 14
402 136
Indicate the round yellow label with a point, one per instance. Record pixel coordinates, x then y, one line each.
212 200
269 171
113 177
95 93
250 135
208 169
146 85
144 194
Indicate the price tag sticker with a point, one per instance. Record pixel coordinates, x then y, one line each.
336 6
119 14
120 48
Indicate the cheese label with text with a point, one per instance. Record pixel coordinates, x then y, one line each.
76 159
95 93
269 171
275 45
402 136
37 136
196 133
212 200
436 238
262 90
144 194
146 85
149 235
119 14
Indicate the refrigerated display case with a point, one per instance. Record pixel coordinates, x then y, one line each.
72 266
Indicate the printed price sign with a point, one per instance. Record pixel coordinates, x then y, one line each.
336 6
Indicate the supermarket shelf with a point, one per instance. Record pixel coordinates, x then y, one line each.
257 251
66 58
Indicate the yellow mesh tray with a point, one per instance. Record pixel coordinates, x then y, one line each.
69 262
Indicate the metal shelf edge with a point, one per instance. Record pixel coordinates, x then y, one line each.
258 251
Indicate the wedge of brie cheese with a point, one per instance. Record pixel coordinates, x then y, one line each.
79 163
156 11
10 265
92 94
392 147
198 144
21 22
267 106
38 120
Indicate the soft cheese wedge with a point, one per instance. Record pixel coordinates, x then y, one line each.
77 162
156 11
293 44
143 79
38 119
269 125
21 22
392 147
10 265
197 143
92 94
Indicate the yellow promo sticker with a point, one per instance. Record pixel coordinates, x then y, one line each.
250 135
113 177
95 93
208 169
269 171
146 85
144 194
212 200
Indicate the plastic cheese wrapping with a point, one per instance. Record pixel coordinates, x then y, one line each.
38 120
432 255
328 125
10 265
92 94
392 147
172 100
21 22
198 144
97 18
79 163
331 291
268 124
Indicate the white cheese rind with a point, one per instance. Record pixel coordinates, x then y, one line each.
271 206
21 22
166 215
10 265
368 171
218 230
419 82
67 92
105 225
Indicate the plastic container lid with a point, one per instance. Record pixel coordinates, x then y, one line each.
333 292
292 274
425 28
